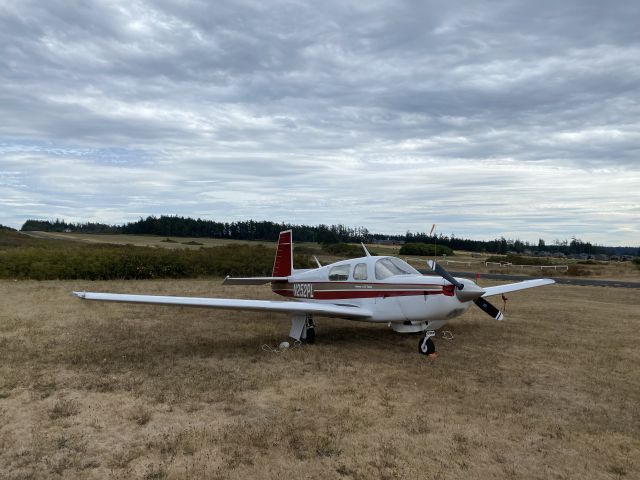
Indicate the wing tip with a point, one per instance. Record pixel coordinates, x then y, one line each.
80 294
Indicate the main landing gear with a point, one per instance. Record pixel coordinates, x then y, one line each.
426 345
303 328
310 330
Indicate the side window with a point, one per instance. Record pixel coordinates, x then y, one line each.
339 272
360 272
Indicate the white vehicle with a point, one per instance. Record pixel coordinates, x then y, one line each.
380 289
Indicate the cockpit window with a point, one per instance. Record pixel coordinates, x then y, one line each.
389 266
339 272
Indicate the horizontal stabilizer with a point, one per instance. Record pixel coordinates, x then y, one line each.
512 287
327 310
251 280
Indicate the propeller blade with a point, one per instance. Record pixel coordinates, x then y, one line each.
488 308
444 274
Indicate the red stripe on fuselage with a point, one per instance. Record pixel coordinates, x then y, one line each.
346 294
347 290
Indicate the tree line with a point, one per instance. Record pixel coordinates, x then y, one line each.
176 226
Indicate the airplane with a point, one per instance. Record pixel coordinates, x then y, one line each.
378 289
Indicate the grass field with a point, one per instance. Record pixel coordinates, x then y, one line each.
91 390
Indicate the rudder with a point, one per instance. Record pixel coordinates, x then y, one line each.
283 264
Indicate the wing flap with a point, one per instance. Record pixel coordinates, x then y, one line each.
328 310
512 287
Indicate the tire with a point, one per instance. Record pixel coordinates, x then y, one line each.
426 346
311 335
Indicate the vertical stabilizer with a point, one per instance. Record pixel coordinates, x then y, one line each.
283 265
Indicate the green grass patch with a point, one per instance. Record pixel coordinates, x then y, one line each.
36 259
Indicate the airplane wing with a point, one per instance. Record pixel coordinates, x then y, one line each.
327 310
512 287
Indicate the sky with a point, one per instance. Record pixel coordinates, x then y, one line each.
498 118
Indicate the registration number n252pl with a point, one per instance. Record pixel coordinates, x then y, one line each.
303 290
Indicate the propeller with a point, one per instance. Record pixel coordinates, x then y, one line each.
489 309
469 292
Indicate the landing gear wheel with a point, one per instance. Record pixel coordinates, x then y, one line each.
426 346
311 331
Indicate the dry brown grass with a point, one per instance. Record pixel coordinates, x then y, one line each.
91 390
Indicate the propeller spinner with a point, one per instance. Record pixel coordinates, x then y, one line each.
468 292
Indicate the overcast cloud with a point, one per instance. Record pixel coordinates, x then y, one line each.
488 118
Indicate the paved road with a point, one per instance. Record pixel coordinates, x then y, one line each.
561 280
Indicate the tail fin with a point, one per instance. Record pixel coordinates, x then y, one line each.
283 264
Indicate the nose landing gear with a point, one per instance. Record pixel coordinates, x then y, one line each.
426 345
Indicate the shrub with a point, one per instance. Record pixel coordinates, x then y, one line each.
425 249
344 250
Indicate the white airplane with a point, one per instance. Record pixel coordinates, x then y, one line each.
379 289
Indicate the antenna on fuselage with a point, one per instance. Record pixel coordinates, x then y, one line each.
365 250
317 261
435 246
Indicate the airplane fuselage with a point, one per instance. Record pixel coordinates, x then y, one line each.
387 287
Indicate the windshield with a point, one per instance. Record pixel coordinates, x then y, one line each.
389 266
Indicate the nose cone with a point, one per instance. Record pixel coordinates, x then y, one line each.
470 292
